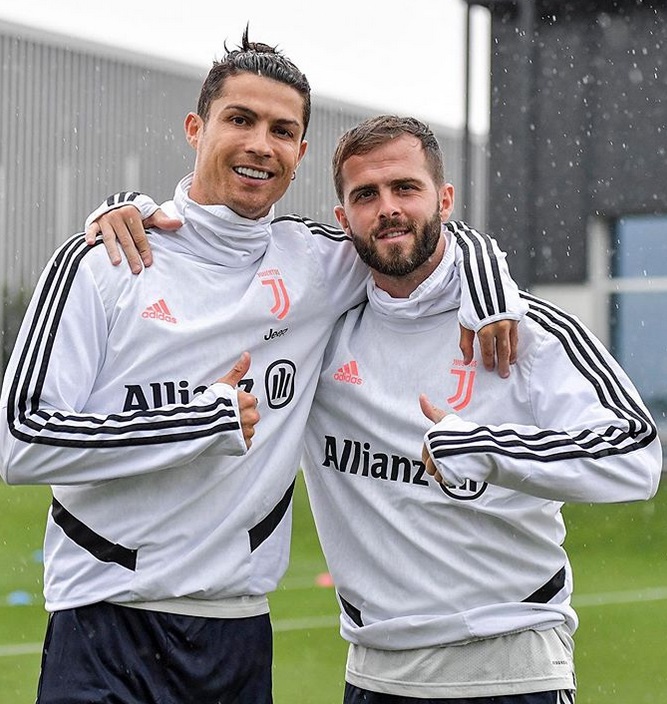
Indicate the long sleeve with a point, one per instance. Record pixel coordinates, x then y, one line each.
488 292
143 203
592 438
49 434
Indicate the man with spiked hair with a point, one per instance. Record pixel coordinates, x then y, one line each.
170 519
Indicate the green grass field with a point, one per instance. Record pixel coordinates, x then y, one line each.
619 555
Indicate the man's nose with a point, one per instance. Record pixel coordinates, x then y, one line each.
259 141
388 206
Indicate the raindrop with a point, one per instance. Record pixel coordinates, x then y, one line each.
636 76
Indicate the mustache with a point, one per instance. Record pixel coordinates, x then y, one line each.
391 224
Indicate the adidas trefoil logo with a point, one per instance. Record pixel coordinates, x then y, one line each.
349 374
159 311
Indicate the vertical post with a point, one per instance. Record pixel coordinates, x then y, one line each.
466 186
528 144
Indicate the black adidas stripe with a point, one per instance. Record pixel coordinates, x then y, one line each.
121 197
552 445
589 361
316 228
484 280
41 335
31 424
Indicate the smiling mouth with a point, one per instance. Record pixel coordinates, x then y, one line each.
256 174
392 234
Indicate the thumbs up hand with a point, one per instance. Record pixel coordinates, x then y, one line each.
248 413
435 415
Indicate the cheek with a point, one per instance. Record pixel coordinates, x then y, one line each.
289 156
360 224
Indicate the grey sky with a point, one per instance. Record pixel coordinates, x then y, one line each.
392 56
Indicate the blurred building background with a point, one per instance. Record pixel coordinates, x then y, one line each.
80 121
578 167
571 180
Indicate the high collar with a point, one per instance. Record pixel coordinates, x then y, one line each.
221 234
438 293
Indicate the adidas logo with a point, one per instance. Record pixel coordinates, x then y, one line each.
159 311
349 374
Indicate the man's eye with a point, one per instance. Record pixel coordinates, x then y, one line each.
364 195
238 120
282 132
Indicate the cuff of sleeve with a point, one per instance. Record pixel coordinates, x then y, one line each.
458 464
476 325
230 442
143 203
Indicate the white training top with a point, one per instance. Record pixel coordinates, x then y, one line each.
417 564
109 397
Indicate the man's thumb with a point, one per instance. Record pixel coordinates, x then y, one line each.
429 410
162 221
238 371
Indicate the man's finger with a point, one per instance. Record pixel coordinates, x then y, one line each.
91 233
110 242
135 243
426 457
139 245
487 347
119 228
466 342
503 352
514 341
429 410
430 467
238 371
435 473
160 219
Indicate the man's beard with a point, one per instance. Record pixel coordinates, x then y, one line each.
395 262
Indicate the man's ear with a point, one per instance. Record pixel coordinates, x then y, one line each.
446 199
339 212
302 151
193 126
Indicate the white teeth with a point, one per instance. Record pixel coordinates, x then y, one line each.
251 173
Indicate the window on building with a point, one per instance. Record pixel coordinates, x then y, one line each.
638 315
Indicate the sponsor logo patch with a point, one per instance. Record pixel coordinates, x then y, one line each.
159 311
279 383
348 374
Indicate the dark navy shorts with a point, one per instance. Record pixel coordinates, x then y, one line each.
354 695
111 654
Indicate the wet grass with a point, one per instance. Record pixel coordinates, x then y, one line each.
619 555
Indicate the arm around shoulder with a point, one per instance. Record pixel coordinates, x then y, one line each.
491 304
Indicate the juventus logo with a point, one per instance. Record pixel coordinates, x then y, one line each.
463 394
274 280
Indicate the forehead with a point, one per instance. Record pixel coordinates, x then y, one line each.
261 95
400 158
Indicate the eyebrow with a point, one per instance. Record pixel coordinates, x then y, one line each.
392 184
251 113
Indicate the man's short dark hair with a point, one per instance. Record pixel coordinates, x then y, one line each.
260 59
377 131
